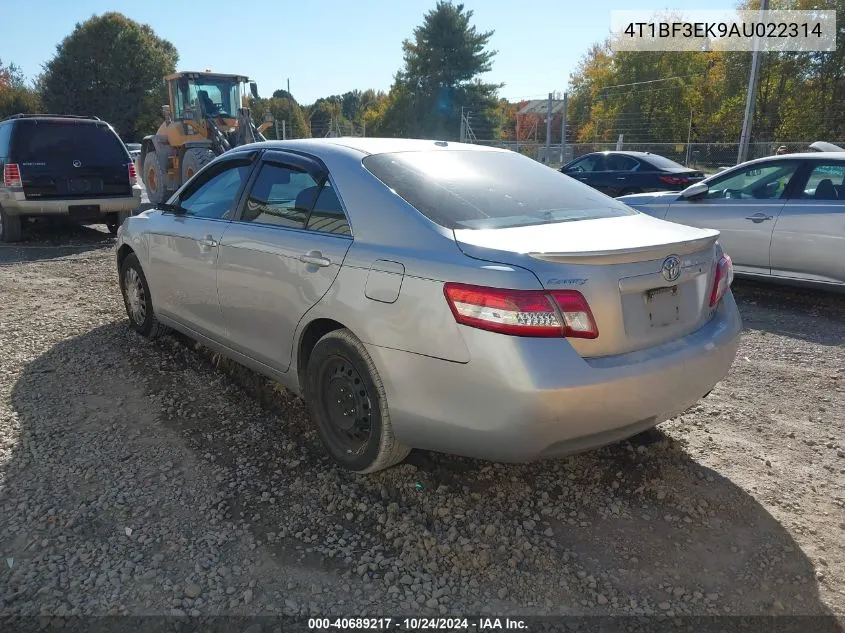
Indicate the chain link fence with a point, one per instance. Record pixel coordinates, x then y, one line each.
707 157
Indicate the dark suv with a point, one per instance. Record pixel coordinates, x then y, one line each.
55 165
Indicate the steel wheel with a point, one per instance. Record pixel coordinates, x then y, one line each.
136 297
349 408
347 401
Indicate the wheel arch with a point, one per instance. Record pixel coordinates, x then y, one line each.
122 253
311 333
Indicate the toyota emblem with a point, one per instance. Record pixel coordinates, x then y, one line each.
77 163
671 268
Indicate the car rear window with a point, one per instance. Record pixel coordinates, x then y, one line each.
661 162
44 141
467 189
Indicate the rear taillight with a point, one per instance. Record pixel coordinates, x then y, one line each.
722 280
675 180
133 174
522 312
12 175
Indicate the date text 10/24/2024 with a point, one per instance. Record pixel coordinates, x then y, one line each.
416 624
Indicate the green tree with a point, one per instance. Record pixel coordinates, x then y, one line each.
442 64
111 67
281 109
281 93
325 116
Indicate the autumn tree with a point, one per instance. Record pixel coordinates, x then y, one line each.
666 96
15 96
111 67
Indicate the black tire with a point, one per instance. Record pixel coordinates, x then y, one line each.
114 220
194 160
343 389
155 178
132 280
11 227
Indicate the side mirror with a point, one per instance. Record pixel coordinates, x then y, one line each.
171 208
253 88
695 190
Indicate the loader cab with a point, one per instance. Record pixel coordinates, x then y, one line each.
194 96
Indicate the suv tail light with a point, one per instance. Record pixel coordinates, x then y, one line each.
557 313
675 180
12 175
133 174
722 280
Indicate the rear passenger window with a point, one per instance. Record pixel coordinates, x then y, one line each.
620 162
825 182
327 215
280 196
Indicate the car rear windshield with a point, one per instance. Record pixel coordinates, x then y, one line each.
45 141
468 189
661 162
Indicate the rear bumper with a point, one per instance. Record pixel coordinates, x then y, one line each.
520 399
17 204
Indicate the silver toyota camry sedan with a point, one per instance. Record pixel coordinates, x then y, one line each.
780 218
434 295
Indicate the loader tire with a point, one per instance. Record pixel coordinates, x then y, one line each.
194 160
155 179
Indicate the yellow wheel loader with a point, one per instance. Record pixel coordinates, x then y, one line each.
207 116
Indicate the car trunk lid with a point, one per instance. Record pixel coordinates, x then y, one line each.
618 265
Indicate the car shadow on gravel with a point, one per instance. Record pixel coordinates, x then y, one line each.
816 316
635 528
50 239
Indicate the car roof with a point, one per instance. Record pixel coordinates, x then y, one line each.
52 117
369 145
625 152
838 156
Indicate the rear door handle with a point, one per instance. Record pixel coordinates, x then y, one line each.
315 258
208 241
758 217
622 178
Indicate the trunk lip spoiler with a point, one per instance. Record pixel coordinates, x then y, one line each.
630 255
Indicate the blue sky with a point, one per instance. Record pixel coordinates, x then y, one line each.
331 46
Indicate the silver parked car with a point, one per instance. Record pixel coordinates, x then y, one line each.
781 218
436 295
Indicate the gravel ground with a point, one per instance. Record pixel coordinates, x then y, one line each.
155 479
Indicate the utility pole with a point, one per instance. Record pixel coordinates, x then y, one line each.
689 137
563 129
517 132
745 137
284 130
462 133
549 129
288 85
277 129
